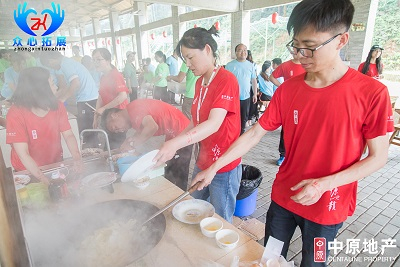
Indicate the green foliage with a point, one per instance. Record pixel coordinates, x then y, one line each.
267 40
387 33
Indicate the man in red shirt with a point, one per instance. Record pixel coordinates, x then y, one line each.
329 114
286 70
149 117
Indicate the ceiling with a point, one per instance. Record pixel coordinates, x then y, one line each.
79 12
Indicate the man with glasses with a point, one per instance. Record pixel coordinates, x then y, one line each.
246 75
329 114
286 70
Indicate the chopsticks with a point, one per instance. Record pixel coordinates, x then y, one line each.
87 104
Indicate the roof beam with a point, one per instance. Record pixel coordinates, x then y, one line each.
222 5
256 4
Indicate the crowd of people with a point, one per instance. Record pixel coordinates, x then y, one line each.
311 96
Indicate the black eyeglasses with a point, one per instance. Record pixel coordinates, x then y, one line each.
307 52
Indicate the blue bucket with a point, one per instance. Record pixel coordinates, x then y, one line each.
247 205
125 162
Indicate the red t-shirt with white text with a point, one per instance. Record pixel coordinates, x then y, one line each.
325 132
111 84
288 70
223 92
372 70
42 134
170 120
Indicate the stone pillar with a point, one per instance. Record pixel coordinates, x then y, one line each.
114 26
96 29
240 32
141 37
361 32
175 26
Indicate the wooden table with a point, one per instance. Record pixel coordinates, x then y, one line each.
182 244
393 100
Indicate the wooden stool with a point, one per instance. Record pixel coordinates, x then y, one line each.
395 138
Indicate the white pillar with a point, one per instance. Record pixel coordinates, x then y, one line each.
141 37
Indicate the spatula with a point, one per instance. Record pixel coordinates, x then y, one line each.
188 192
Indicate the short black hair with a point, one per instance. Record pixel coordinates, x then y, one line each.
236 47
161 55
323 15
34 91
106 115
277 61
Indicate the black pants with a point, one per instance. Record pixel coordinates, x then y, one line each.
161 93
244 113
171 97
177 170
133 95
253 107
282 150
85 119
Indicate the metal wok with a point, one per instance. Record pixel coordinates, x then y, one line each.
54 240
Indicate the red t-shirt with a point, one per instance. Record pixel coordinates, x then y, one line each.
325 132
42 134
372 71
111 84
223 92
170 120
288 70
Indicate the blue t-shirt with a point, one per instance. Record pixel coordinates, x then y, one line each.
173 65
244 72
266 87
72 69
10 76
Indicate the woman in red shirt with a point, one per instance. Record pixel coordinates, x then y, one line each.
215 121
34 123
113 92
373 66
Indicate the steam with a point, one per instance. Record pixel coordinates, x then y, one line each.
55 239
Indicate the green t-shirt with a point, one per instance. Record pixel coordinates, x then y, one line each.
190 80
148 77
4 64
162 71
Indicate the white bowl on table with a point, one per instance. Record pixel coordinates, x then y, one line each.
210 226
227 238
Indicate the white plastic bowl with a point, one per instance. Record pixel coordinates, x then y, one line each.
227 238
210 226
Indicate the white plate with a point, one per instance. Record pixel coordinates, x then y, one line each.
192 211
99 179
21 179
140 167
